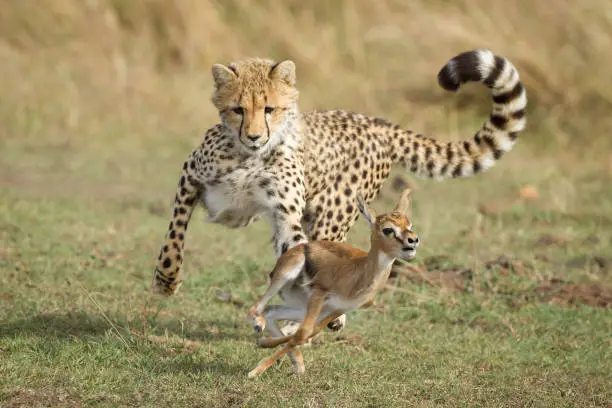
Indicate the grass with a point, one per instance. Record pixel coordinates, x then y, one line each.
507 304
79 327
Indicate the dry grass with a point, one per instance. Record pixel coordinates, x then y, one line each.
101 60
102 99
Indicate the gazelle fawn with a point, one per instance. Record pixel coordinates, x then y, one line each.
321 280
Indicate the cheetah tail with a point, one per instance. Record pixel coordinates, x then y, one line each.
497 135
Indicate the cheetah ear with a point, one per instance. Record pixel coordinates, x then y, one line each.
403 205
367 212
283 71
222 74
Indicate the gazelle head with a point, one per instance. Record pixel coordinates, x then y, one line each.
392 232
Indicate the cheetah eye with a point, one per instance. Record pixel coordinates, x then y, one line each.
238 110
268 110
388 231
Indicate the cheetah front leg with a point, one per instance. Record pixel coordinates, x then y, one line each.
286 217
169 263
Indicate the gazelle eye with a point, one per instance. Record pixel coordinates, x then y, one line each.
388 231
268 110
238 110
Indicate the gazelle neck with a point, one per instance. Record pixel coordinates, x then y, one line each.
378 261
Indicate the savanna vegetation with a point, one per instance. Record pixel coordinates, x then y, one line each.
507 304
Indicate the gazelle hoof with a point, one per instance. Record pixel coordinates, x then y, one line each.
253 373
337 324
256 320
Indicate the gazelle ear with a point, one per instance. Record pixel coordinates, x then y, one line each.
222 74
367 212
403 205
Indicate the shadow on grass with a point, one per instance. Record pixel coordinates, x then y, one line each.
60 326
188 365
57 331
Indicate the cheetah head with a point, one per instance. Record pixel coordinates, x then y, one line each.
256 99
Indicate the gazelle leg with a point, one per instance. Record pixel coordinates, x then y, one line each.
296 298
313 310
297 359
274 313
325 321
315 305
335 325
286 270
269 361
279 312
290 348
270 342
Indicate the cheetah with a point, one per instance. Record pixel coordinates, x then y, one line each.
303 171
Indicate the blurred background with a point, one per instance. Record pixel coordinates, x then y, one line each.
86 72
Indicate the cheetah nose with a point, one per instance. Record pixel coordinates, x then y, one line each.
413 241
253 137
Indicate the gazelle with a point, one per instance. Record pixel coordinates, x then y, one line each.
321 280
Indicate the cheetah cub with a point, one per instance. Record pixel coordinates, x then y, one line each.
322 280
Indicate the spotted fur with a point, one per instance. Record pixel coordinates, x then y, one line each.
302 170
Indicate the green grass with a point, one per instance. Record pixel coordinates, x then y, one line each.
79 327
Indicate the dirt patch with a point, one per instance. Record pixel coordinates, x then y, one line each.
526 195
226 296
38 398
558 292
452 279
506 266
356 343
173 345
548 240
598 263
591 240
440 272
